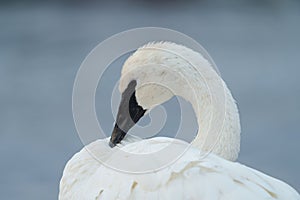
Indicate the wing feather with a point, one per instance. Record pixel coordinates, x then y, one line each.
191 177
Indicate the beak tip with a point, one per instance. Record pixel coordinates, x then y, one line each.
111 144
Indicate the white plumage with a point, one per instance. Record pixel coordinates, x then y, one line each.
193 176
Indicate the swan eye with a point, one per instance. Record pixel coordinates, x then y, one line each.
129 113
136 111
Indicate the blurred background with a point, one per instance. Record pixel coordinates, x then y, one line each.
254 43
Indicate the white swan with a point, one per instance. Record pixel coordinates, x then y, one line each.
193 176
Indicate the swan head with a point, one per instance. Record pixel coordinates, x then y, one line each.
158 71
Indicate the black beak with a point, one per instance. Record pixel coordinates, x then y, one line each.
128 115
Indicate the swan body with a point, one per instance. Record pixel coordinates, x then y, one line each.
205 171
190 177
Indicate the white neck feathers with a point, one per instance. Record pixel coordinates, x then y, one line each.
165 69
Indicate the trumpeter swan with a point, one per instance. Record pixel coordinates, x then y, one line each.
151 76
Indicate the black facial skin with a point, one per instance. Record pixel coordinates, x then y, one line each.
128 115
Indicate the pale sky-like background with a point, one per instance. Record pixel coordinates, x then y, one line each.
255 44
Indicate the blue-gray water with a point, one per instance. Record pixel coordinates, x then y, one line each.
41 47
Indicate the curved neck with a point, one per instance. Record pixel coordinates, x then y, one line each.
187 74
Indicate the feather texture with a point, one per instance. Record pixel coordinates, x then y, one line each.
190 177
